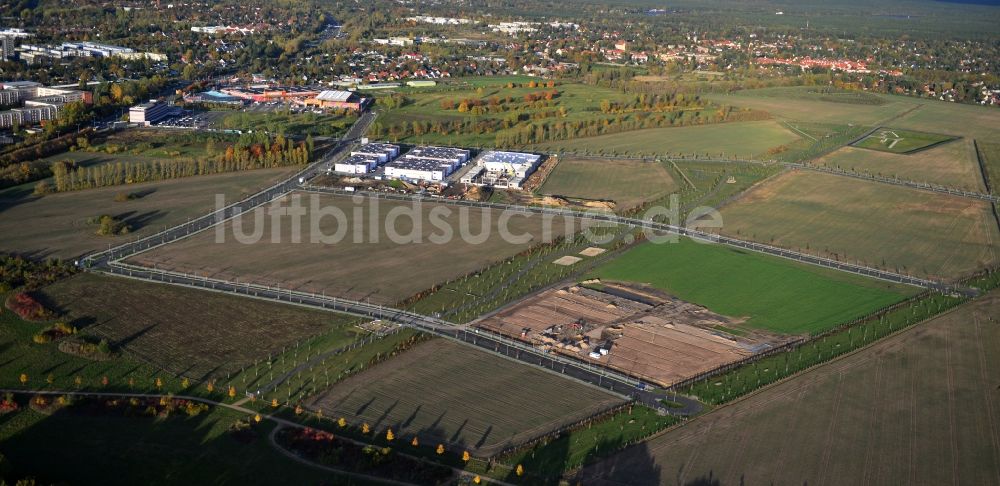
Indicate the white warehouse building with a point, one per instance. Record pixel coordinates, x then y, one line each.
366 158
427 163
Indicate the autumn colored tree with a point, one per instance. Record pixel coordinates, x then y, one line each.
389 435
414 442
341 422
466 456
440 449
24 378
232 391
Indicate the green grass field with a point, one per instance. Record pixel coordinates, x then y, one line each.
952 164
896 141
807 103
628 183
989 152
916 408
443 391
56 225
737 139
515 121
884 226
956 119
772 293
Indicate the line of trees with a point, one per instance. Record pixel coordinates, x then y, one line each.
242 156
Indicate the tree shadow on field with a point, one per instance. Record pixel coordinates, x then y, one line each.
140 220
634 465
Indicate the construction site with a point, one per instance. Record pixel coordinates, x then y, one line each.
636 330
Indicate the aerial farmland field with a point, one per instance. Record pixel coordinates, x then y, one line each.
66 233
198 334
770 293
443 391
989 152
626 182
735 139
956 119
375 269
864 418
811 104
884 226
952 164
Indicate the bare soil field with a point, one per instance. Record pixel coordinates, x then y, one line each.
191 332
890 227
446 392
920 407
56 225
952 164
644 333
381 269
628 183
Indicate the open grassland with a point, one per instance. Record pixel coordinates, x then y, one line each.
809 103
628 183
917 408
890 227
989 153
442 391
896 141
771 293
201 451
56 225
190 332
952 164
956 119
386 269
736 139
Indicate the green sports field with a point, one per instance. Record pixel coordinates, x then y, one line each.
899 141
772 293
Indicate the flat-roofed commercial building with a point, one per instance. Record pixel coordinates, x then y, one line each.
343 100
149 113
384 151
357 164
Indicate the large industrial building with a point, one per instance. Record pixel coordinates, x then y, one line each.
40 103
342 100
502 169
267 93
366 158
427 163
